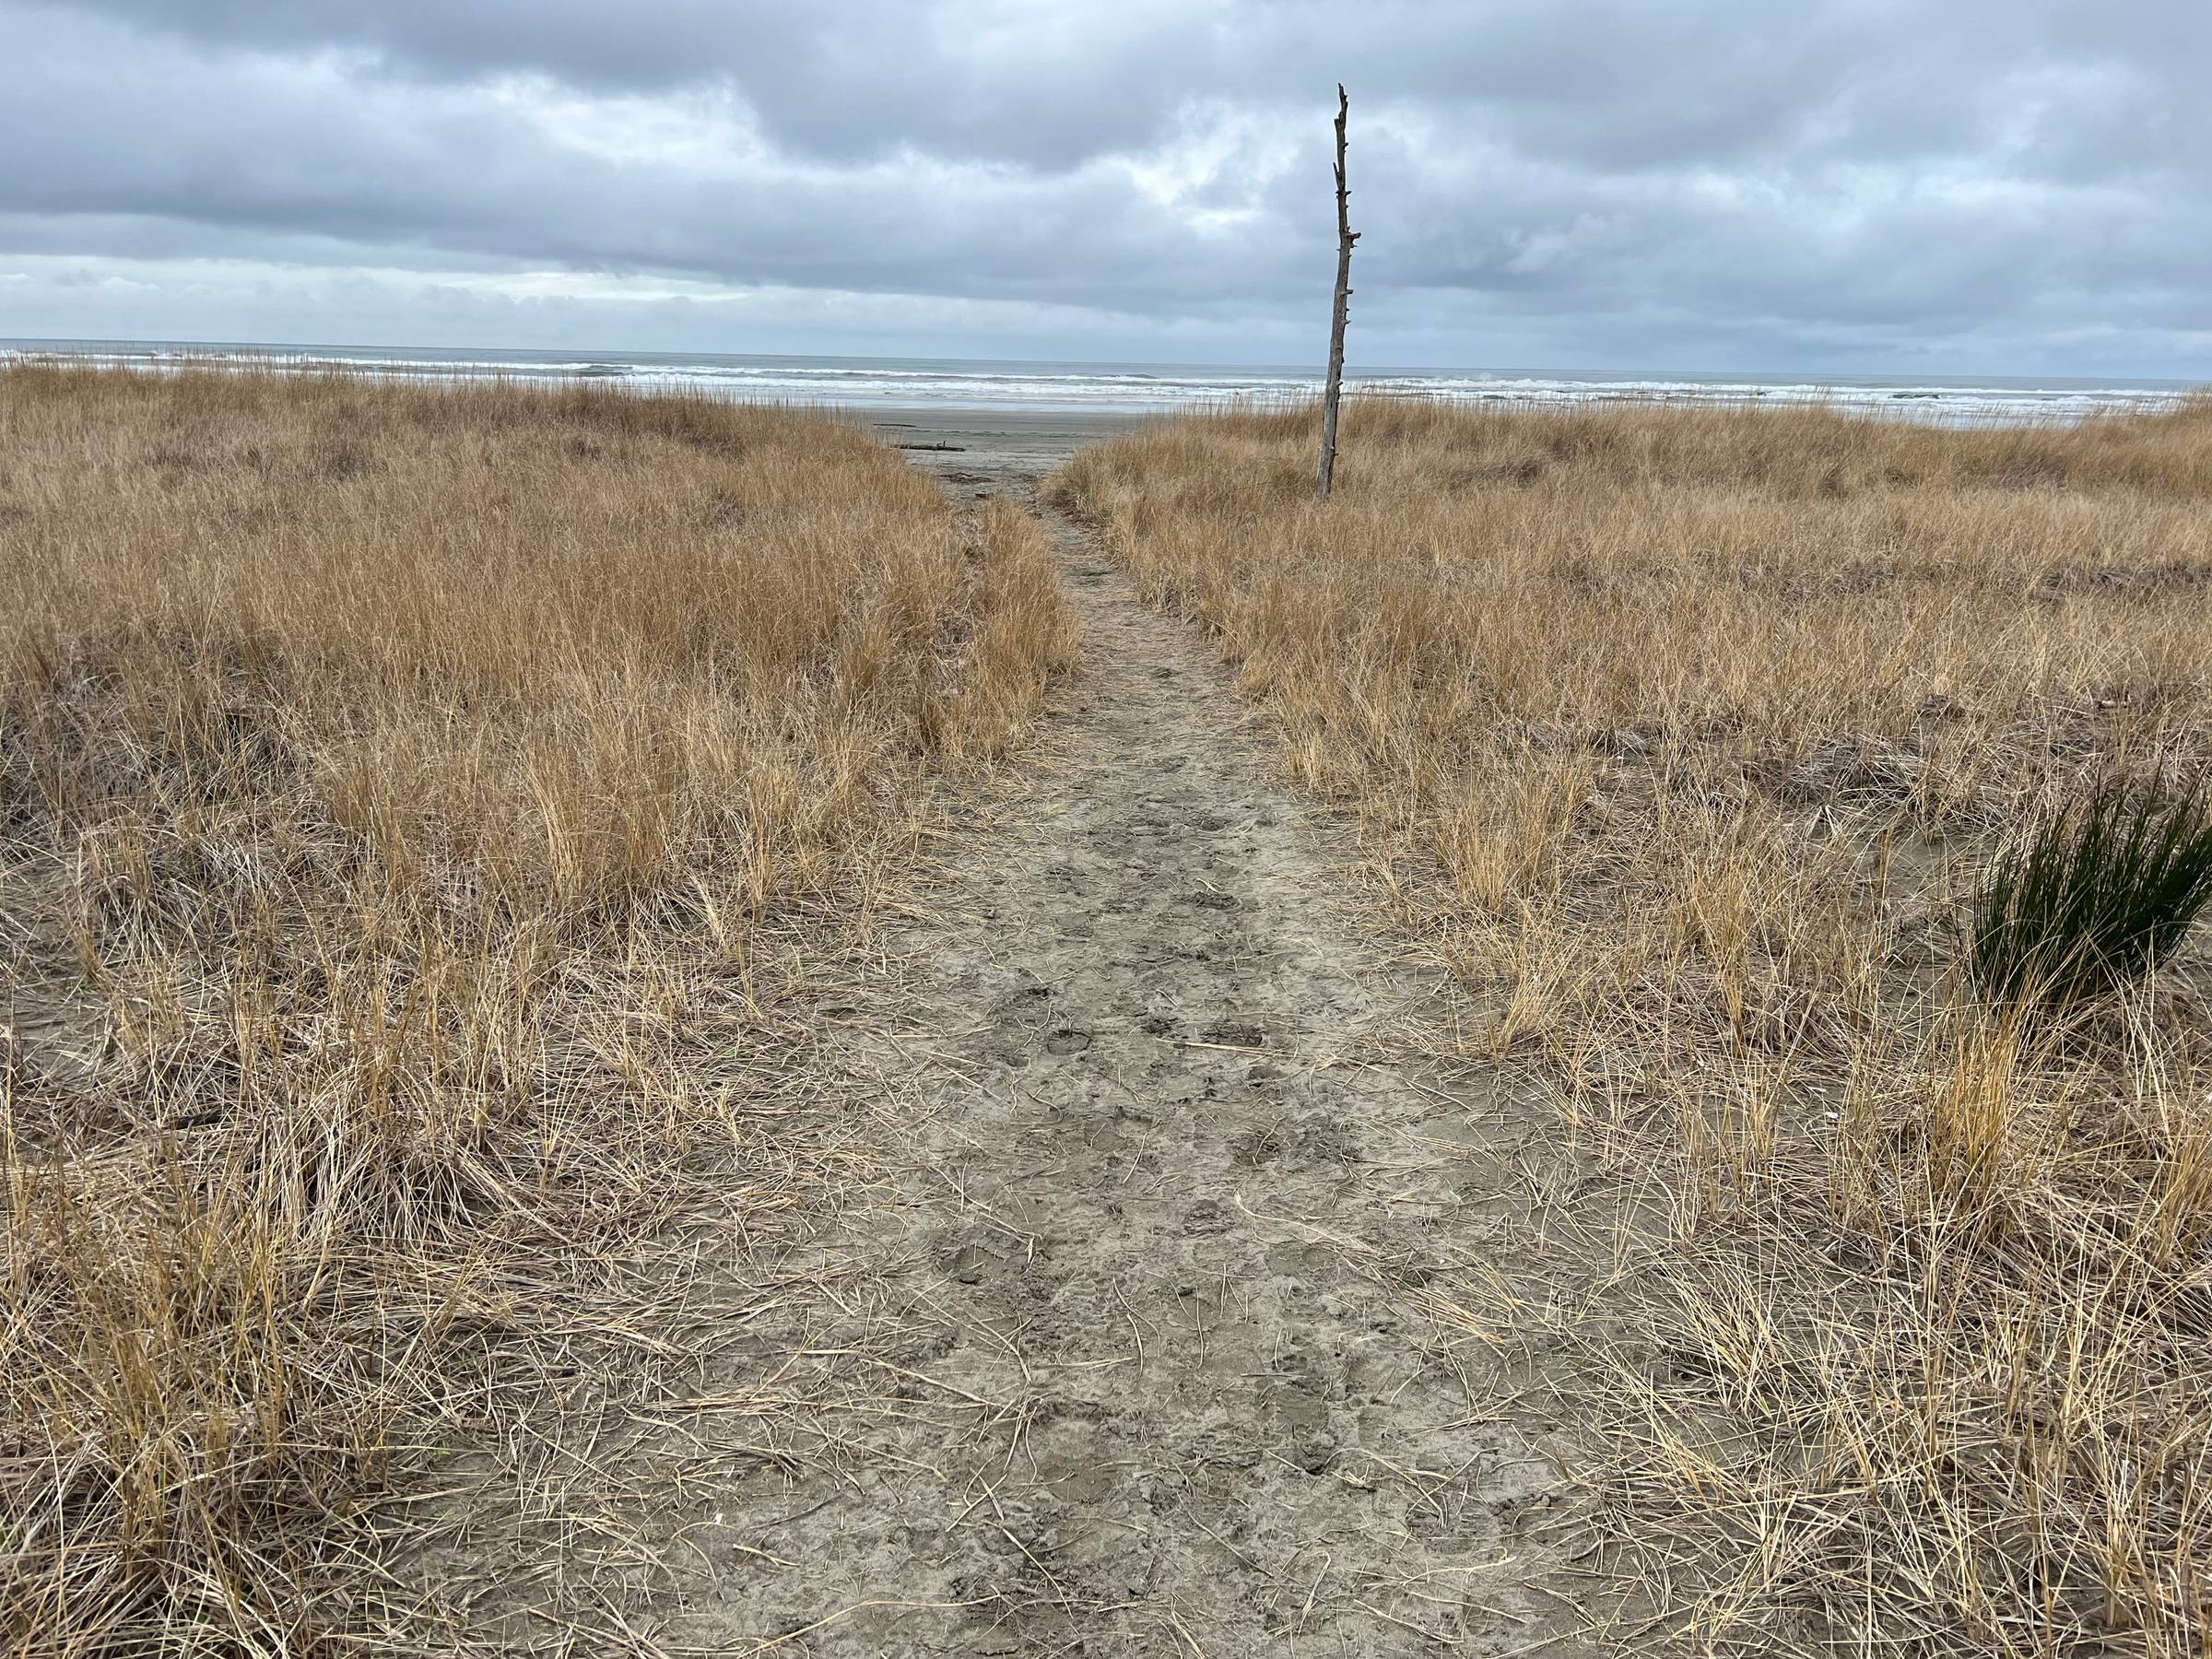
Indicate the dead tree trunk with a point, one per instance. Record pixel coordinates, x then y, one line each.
1346 237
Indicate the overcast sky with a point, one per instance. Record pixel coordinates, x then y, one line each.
1941 186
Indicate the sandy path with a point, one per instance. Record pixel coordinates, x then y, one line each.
1142 1347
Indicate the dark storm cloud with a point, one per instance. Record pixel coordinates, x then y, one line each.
1625 181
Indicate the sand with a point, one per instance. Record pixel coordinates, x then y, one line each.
1137 1351
1004 446
1134 1332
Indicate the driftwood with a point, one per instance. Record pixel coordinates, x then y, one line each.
1346 237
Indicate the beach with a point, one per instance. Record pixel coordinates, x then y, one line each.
962 830
922 1027
964 447
1022 389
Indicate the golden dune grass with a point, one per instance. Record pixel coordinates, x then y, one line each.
424 808
1682 736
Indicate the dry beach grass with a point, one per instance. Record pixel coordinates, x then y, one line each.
428 812
436 817
1682 736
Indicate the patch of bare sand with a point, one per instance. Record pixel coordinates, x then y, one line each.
1141 1346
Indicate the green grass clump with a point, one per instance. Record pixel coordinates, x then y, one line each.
2097 896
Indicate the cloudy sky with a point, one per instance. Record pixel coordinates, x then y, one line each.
1945 187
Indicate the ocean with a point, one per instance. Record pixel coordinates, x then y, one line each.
890 382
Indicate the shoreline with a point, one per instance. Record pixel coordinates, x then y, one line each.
887 388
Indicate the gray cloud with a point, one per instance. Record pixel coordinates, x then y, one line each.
1722 183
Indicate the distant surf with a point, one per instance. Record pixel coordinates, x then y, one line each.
1141 388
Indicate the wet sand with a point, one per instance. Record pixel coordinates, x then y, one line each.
996 442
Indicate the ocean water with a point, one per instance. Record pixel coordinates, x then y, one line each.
1142 388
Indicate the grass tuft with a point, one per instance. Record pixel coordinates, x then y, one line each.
2098 894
